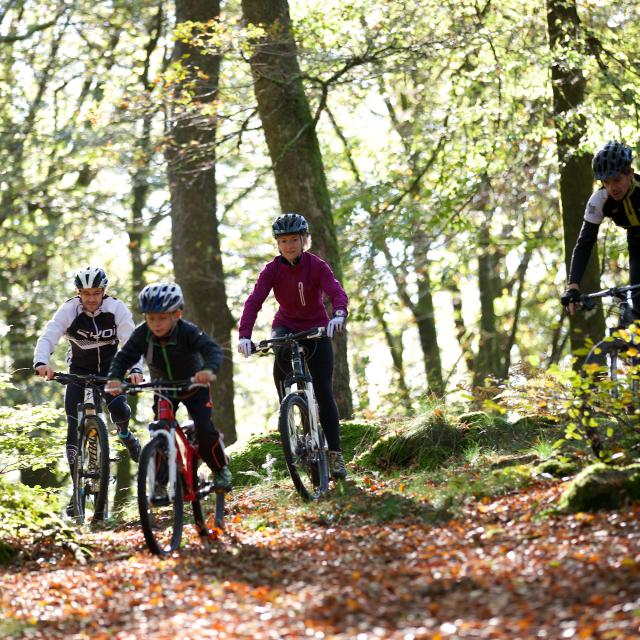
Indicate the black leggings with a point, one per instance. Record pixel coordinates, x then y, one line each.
320 361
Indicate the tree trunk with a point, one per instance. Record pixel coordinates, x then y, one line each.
487 361
425 316
576 180
192 182
290 133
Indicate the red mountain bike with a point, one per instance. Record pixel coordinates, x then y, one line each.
168 475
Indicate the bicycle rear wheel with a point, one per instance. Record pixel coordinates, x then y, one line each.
161 517
91 471
610 412
307 463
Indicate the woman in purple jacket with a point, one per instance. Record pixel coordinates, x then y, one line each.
299 281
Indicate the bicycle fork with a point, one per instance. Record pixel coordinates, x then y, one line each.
169 435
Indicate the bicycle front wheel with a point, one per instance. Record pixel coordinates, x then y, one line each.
307 463
160 516
91 471
610 413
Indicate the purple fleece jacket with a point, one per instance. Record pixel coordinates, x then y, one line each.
299 291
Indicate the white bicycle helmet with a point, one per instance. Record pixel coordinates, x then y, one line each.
91 278
160 298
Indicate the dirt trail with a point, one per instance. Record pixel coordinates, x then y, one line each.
498 572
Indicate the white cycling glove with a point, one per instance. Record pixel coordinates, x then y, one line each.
335 324
245 347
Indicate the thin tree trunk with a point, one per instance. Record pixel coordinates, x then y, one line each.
192 182
576 180
290 133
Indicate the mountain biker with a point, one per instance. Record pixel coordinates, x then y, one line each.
94 323
619 199
299 281
175 349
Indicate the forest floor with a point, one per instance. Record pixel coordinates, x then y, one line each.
502 567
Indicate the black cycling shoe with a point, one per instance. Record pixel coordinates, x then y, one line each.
132 445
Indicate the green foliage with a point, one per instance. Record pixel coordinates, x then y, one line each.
30 436
29 516
602 487
605 412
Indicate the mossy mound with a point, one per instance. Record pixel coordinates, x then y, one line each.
248 464
262 455
431 439
425 442
558 467
601 487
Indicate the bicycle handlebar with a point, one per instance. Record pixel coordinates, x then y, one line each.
162 385
89 378
309 334
612 292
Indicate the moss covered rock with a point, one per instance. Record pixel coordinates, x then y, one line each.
602 487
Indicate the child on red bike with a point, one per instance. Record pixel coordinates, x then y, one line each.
175 349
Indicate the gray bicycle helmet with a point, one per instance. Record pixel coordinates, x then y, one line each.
160 298
612 160
91 278
289 223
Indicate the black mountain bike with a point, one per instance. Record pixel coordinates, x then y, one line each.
168 475
610 408
303 441
90 499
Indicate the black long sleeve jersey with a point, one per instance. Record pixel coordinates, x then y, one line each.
93 337
624 213
185 351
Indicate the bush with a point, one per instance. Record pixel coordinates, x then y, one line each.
29 520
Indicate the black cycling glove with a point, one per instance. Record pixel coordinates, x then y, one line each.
569 296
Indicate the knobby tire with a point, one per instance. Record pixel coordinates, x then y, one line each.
161 519
307 468
91 471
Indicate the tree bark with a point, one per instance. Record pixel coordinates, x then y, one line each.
192 182
576 179
294 150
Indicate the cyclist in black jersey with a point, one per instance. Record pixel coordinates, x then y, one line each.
618 199
95 324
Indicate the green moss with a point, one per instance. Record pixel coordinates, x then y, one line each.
247 464
602 487
501 481
558 467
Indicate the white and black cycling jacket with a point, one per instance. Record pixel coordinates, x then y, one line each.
93 337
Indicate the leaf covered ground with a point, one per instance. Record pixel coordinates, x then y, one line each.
501 567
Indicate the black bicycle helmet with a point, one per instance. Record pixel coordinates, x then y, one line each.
91 278
612 160
160 298
289 223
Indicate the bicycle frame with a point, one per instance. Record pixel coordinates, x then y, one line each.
179 463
